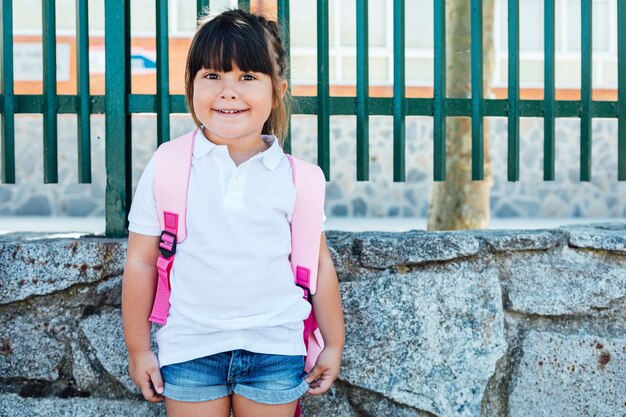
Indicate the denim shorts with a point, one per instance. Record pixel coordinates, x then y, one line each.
267 379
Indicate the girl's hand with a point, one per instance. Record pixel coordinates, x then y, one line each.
325 371
143 368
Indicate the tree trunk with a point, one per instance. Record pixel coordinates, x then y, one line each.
460 203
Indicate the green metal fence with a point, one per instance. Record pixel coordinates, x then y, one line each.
119 103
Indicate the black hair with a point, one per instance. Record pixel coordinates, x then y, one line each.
249 41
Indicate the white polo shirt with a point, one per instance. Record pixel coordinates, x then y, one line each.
232 283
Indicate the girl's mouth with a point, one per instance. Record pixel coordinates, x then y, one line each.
230 111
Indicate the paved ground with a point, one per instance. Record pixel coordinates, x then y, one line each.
96 225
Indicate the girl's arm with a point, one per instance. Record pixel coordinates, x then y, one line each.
138 289
329 315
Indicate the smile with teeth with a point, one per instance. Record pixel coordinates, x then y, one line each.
226 111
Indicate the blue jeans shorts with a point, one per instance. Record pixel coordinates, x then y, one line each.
267 379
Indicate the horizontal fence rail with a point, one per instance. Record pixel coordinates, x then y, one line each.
338 106
119 103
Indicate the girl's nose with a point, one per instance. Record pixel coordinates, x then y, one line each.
228 93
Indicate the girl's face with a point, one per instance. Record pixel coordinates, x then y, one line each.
232 105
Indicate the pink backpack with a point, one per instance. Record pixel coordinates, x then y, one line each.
171 180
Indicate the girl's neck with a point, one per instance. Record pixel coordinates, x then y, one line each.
242 149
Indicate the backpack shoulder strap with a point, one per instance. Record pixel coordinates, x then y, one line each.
171 180
172 167
306 230
306 221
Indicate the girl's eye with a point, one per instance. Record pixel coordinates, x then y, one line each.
214 76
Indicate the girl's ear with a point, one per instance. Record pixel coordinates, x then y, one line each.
282 89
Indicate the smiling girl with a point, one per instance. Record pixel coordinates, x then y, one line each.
233 333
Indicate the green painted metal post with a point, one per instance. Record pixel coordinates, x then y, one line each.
244 5
283 24
118 118
548 99
202 8
362 92
7 127
585 91
163 83
323 89
83 111
399 100
50 152
439 92
513 92
621 90
477 90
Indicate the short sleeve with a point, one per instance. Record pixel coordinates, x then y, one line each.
323 222
143 217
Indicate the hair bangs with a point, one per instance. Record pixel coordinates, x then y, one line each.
233 42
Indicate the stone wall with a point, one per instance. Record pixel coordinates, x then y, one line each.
566 197
489 323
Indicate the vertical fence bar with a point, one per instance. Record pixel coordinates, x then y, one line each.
8 111
283 24
323 89
244 4
118 120
399 101
162 75
621 90
362 92
585 91
439 92
513 99
50 153
202 7
82 88
549 105
477 90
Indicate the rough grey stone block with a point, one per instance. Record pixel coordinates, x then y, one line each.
425 339
28 350
334 402
85 376
12 405
383 250
31 267
106 337
564 281
603 236
518 240
579 375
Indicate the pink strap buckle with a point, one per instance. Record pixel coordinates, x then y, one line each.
167 245
303 280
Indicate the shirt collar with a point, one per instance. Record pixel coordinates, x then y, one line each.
271 156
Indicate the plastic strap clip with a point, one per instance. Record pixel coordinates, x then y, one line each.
167 245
